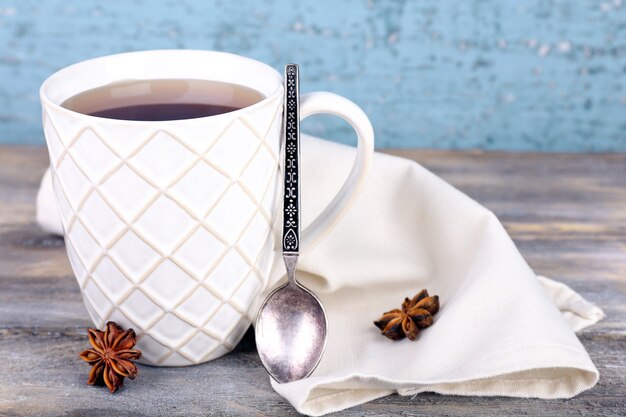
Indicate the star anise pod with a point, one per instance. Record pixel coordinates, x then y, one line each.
111 356
416 313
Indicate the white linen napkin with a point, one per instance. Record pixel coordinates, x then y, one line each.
501 329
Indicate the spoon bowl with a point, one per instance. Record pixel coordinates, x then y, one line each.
291 332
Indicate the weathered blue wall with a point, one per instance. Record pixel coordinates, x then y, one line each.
531 75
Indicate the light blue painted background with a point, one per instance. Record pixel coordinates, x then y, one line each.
513 75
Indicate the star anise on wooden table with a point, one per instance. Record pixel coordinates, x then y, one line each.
416 313
111 356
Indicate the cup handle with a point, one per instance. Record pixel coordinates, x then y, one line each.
329 103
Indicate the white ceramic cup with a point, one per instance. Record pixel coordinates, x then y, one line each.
168 224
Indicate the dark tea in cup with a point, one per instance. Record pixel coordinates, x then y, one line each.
156 100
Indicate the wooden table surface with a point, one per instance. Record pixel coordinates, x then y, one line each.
566 213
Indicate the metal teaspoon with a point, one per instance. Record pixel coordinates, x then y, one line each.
291 324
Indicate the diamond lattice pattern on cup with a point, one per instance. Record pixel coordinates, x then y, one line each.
98 302
87 249
134 255
245 294
230 217
164 223
141 309
127 192
224 320
55 145
106 225
111 280
234 149
64 207
152 351
199 307
73 182
162 159
94 158
254 237
168 284
198 346
228 274
200 188
258 174
67 126
199 252
264 118
171 330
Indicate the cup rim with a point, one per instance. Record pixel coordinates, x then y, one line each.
48 102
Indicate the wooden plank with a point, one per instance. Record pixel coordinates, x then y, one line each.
564 211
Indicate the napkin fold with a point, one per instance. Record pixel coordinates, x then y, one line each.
501 329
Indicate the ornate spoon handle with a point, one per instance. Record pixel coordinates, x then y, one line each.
291 197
